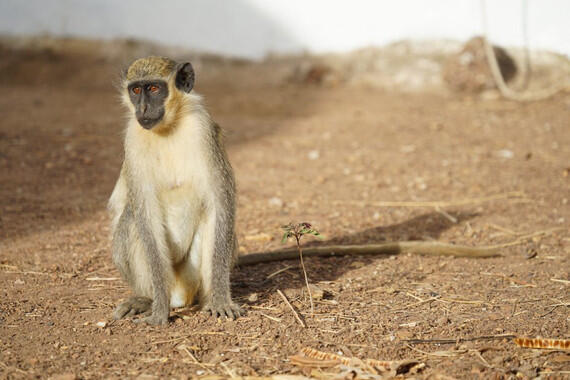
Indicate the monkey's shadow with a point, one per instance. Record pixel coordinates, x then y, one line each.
258 278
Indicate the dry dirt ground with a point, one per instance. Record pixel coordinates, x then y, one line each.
327 155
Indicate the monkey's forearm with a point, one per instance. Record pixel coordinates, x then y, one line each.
222 256
218 299
158 271
416 247
120 243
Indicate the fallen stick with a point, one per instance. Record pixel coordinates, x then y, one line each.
292 309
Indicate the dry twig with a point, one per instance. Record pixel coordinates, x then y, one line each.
195 360
278 271
458 340
445 354
516 195
447 216
524 238
28 272
228 370
270 317
188 336
292 309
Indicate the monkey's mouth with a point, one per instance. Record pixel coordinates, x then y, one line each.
148 123
147 120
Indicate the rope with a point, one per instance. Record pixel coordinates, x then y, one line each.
506 92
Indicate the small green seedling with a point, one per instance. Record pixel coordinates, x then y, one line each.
297 231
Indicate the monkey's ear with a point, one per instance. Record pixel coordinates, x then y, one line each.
184 77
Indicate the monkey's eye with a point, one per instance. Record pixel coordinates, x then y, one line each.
154 89
136 90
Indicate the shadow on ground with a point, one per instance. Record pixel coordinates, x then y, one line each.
254 279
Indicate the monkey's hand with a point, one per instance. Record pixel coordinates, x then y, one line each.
225 308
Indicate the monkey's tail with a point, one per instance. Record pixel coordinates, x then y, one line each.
417 247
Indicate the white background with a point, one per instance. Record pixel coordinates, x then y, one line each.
253 28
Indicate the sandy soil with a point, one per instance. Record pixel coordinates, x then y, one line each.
323 154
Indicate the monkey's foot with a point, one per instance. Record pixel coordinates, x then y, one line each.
133 306
228 309
153 319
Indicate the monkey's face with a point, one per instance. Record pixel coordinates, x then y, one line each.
154 86
148 97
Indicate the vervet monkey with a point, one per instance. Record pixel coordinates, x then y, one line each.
173 206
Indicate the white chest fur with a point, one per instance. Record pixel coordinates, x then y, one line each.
172 160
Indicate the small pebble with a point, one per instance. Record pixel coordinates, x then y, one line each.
505 153
253 297
275 201
314 155
407 148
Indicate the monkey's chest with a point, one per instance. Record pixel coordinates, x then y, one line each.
183 208
181 182
183 185
182 200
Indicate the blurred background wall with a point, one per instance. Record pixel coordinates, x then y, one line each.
254 28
